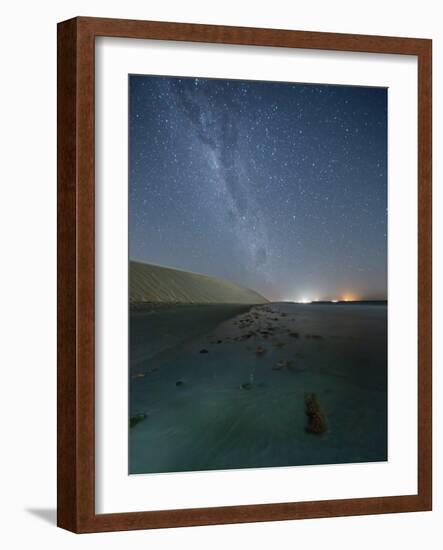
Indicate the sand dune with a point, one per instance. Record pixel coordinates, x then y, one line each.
152 283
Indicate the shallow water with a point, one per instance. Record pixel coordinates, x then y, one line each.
231 407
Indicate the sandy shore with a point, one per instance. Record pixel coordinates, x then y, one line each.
220 386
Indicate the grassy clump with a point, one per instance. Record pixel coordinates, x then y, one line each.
316 418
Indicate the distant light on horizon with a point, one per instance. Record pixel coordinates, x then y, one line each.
304 301
349 298
311 300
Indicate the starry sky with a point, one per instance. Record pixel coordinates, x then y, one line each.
278 187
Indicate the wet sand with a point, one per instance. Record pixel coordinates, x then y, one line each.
224 386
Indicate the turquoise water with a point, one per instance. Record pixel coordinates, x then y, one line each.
221 387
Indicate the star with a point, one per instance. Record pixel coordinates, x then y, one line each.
275 186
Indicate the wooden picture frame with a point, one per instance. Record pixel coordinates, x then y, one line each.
76 333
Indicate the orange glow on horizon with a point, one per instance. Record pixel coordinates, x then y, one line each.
349 297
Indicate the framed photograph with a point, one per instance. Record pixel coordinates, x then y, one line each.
244 275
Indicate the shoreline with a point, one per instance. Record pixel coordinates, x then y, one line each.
232 394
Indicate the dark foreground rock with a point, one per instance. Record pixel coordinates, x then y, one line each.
316 418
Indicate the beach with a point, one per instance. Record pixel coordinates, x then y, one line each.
221 386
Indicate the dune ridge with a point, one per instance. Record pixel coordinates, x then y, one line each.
153 283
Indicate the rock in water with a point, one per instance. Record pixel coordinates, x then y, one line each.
204 351
316 418
281 365
278 344
134 420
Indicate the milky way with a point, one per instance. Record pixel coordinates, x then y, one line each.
279 187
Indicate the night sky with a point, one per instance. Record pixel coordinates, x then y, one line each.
278 187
